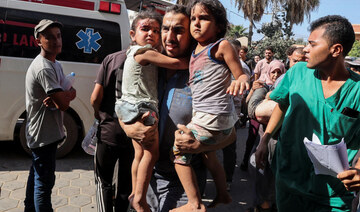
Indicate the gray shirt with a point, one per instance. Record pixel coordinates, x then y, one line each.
44 125
139 82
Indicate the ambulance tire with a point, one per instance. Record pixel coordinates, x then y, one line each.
65 147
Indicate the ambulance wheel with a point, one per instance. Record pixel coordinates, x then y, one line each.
65 147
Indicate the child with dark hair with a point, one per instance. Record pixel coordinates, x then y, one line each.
211 65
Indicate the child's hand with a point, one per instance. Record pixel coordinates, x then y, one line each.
238 86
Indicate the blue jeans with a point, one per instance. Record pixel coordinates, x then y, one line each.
166 192
41 179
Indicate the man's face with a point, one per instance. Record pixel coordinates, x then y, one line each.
268 54
295 57
50 40
317 52
242 54
175 34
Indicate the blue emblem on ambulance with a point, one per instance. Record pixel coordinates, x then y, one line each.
88 40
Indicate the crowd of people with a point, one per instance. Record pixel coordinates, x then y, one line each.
178 94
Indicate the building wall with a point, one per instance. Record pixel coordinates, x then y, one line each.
357 31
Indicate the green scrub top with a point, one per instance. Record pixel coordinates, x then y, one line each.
297 186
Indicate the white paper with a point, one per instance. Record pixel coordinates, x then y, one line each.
327 159
253 163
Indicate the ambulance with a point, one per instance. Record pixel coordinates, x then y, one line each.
92 29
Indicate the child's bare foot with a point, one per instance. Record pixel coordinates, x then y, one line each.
220 199
190 208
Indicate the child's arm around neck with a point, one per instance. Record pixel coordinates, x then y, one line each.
161 60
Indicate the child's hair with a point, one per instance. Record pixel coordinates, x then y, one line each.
218 11
150 14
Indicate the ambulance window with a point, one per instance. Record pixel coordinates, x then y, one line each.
84 40
2 25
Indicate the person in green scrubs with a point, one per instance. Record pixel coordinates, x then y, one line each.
311 100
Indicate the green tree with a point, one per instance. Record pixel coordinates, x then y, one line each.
236 31
295 10
355 51
277 35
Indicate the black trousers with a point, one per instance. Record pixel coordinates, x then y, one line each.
107 175
229 161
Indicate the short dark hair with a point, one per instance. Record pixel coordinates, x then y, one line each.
337 30
236 43
300 50
177 8
150 14
218 11
290 50
244 48
269 48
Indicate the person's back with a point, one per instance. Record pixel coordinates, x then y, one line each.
113 146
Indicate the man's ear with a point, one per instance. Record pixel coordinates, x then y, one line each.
336 50
37 40
132 35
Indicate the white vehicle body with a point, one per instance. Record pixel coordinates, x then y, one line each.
88 36
92 29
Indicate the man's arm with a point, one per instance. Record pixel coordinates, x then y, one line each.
257 84
185 141
274 124
161 60
62 99
264 110
96 98
138 131
257 70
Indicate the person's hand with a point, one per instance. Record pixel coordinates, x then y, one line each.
351 179
258 84
96 115
185 141
238 86
48 102
262 152
268 95
138 131
72 93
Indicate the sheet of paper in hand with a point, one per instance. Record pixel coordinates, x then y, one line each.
327 159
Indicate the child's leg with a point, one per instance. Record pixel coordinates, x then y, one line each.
218 174
188 180
147 162
135 164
